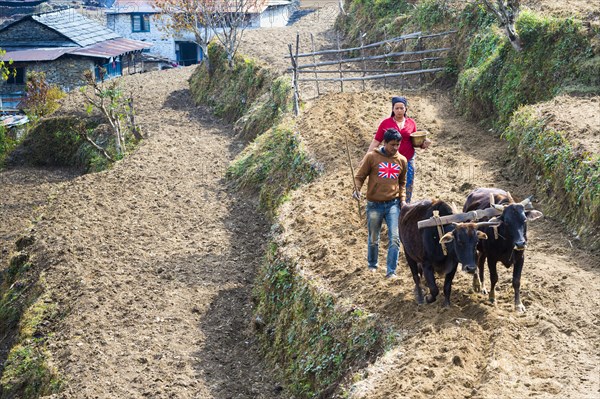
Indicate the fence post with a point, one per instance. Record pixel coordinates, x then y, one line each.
294 81
386 50
419 47
312 41
337 36
296 71
362 55
403 79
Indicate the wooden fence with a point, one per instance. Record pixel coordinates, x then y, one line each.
395 61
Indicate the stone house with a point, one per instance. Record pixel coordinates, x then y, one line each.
139 20
64 44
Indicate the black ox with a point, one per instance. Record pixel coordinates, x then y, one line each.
507 244
425 247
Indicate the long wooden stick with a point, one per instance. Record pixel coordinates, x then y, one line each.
352 171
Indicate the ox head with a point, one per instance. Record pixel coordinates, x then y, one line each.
514 218
465 237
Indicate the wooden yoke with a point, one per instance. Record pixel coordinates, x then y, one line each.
471 216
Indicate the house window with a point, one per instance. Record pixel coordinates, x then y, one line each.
18 78
140 22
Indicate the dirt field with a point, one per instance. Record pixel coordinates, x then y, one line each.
155 261
155 258
550 351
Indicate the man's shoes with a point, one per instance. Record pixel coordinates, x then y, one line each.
372 269
392 276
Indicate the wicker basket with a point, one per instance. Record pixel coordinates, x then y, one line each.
418 137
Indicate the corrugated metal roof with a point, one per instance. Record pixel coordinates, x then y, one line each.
36 54
105 49
132 6
149 6
111 48
76 27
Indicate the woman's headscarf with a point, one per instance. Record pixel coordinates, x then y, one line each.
402 100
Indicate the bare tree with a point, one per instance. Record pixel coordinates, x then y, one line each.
178 17
228 19
507 13
108 98
224 19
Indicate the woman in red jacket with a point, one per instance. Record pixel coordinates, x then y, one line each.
405 125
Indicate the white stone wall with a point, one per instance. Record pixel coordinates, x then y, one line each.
161 44
275 17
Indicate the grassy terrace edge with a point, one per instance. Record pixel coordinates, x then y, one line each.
27 315
312 338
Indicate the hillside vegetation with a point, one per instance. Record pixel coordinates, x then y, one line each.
561 56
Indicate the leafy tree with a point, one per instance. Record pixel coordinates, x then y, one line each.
6 72
5 67
42 98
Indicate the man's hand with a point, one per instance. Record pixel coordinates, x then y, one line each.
402 204
356 195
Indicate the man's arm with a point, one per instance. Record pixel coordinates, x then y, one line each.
402 182
363 171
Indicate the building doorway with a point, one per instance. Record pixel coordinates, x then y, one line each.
188 53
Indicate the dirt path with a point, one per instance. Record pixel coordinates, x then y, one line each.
472 349
155 260
23 191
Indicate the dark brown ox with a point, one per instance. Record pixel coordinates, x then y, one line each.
424 247
507 244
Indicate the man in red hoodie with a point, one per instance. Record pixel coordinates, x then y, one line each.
386 170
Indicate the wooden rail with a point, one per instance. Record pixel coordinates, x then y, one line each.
389 58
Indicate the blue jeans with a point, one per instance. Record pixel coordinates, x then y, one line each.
376 213
410 179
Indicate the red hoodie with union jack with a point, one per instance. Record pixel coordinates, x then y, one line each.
387 176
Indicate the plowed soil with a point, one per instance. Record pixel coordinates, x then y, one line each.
154 259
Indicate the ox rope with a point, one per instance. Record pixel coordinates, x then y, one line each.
495 228
439 224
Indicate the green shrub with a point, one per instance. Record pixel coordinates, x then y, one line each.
5 144
42 98
230 92
56 141
27 374
274 164
429 14
569 178
496 80
267 110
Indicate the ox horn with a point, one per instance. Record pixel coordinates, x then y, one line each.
489 223
526 201
498 207
510 198
454 208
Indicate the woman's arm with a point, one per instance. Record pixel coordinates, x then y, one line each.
374 144
426 144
